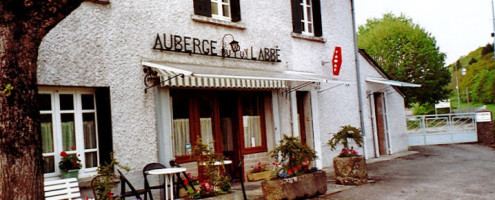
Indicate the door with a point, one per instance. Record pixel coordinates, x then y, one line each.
229 130
381 124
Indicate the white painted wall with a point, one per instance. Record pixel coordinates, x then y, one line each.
101 45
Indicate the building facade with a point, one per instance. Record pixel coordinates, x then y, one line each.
146 80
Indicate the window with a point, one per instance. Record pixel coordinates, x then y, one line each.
306 17
228 10
68 123
227 121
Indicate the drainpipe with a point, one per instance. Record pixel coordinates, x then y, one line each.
358 79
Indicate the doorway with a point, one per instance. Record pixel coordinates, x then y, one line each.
229 122
380 113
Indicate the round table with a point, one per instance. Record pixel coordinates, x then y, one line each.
168 173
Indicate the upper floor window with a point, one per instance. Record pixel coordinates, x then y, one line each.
306 17
228 10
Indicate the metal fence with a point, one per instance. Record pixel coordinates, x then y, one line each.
441 129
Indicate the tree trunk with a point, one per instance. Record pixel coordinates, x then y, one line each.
23 24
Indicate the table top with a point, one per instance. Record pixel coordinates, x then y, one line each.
224 162
164 171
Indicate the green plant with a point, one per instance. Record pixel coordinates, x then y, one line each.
214 182
106 180
342 137
293 156
69 161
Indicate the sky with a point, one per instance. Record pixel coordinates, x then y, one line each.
459 26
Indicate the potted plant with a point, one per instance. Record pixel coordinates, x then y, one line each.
349 166
69 165
213 180
293 176
259 172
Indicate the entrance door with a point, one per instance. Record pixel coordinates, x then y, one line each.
381 124
229 130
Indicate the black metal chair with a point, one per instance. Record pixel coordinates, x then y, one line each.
123 193
147 186
179 182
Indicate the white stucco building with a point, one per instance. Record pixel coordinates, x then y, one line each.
97 66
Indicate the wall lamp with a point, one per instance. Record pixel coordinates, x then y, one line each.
234 45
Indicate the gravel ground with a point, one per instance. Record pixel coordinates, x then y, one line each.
457 171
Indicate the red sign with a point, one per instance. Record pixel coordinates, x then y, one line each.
336 61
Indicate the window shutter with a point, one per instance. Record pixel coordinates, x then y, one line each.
202 7
235 10
296 16
317 18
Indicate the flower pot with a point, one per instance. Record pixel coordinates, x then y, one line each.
71 173
299 187
350 170
259 176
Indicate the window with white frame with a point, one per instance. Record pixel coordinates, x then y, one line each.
306 17
68 123
220 9
227 10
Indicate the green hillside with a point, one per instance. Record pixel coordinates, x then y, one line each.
478 84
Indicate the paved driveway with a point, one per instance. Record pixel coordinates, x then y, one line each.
459 171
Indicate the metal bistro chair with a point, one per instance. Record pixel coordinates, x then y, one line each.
133 192
147 186
179 182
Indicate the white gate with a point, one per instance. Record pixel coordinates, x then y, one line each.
441 129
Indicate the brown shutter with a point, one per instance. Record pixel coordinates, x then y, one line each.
296 16
235 10
317 18
202 7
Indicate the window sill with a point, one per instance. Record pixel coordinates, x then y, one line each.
217 22
307 37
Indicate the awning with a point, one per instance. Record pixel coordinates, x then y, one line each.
391 82
221 77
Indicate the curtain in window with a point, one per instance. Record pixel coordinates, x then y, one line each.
68 136
89 135
252 131
207 132
47 137
181 136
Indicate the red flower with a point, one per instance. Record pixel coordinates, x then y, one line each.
75 164
63 153
73 148
186 182
289 171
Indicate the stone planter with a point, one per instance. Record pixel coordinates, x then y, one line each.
71 173
259 176
350 170
303 186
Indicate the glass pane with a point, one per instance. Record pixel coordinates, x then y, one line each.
91 159
88 102
46 133
45 101
310 27
214 8
309 14
49 164
251 120
206 116
303 26
68 133
66 102
181 135
228 107
225 1
308 2
226 11
89 128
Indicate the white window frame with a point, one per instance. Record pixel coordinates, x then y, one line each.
307 24
220 14
78 128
